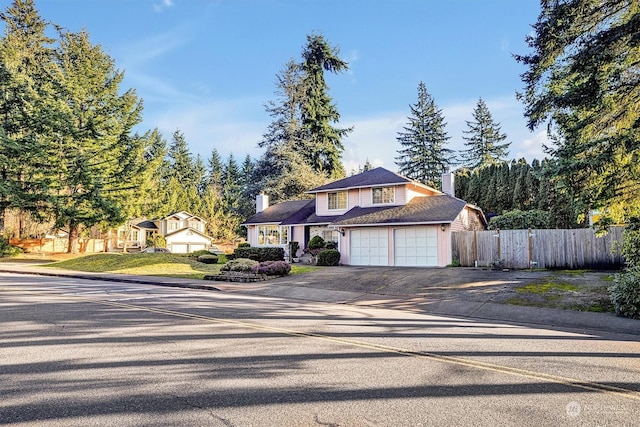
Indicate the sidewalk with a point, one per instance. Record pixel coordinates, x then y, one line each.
301 288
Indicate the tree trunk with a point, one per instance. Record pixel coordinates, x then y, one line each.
74 232
20 224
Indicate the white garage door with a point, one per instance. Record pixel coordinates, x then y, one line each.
416 246
179 248
196 247
370 246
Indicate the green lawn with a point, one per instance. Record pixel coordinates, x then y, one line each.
140 264
168 265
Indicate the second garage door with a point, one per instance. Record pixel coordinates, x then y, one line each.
416 246
369 246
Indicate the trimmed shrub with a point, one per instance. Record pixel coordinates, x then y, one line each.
329 257
239 264
197 254
6 250
331 245
244 245
625 293
272 268
260 254
631 244
208 259
316 242
520 220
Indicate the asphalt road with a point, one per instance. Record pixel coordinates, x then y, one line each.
77 352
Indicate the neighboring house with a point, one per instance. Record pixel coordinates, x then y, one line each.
377 218
183 232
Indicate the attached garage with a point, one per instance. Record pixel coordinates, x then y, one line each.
416 246
179 248
369 246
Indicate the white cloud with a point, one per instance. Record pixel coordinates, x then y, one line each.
162 5
140 52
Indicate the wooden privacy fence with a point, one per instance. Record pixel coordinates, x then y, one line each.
58 245
571 249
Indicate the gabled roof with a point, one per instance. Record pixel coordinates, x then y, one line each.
280 212
371 178
183 215
426 210
147 225
188 229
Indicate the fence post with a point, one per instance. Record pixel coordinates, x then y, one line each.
530 248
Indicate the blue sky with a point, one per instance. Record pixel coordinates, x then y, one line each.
207 67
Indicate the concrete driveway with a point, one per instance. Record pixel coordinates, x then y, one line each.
468 284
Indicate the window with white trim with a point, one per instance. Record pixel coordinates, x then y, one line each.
383 195
337 200
270 235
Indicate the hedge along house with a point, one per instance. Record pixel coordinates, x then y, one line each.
377 218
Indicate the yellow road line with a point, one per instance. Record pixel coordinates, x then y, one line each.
571 382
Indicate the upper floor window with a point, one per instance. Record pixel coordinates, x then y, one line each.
382 195
173 225
337 200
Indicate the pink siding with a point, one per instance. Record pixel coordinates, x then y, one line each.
353 199
297 235
322 205
343 247
401 195
365 197
444 246
467 220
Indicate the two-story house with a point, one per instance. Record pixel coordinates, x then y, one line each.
183 232
377 218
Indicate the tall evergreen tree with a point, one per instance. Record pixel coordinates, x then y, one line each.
484 140
97 158
322 141
284 171
181 160
215 171
28 105
582 81
423 155
153 189
248 191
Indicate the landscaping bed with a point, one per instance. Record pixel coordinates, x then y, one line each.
232 276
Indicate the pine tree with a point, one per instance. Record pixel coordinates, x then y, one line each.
248 191
582 83
98 160
284 171
322 141
181 161
215 170
423 155
484 140
28 83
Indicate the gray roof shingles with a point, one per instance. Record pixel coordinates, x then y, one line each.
282 211
430 209
374 177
